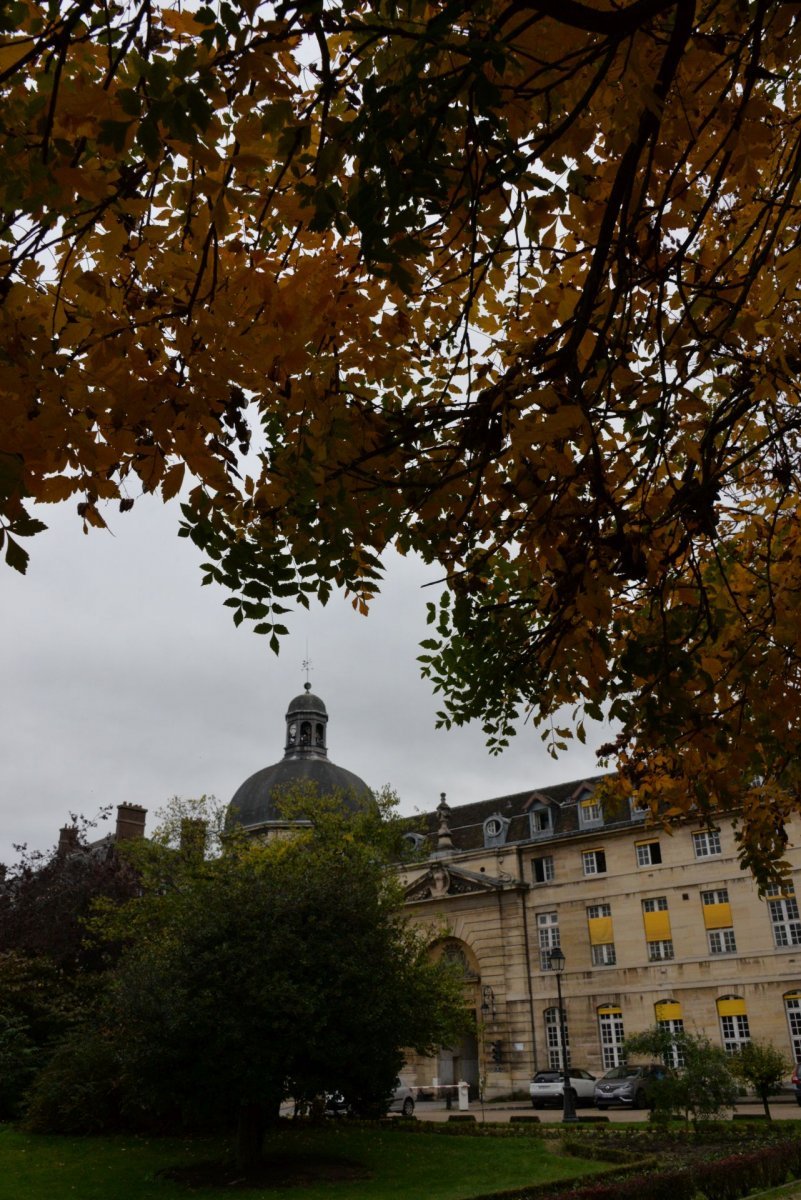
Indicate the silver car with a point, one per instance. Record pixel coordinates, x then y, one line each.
548 1087
632 1086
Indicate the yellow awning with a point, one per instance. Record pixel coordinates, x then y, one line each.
668 1010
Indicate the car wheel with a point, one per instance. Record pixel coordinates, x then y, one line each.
408 1107
640 1101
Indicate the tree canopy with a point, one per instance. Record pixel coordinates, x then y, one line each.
512 285
274 970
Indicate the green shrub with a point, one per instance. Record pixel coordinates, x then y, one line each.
78 1090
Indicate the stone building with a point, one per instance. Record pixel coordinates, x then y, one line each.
654 926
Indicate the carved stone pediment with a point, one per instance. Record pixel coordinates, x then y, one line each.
440 881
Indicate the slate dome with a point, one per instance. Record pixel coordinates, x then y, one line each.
254 804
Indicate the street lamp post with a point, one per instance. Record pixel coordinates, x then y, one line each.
556 960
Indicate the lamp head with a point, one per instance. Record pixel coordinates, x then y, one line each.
556 959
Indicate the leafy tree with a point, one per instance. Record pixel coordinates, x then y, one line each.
509 285
702 1087
46 898
273 970
39 1004
762 1066
49 964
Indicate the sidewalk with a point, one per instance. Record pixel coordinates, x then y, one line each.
435 1110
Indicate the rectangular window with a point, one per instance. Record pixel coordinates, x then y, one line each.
656 921
721 941
785 920
594 862
706 843
542 869
548 931
718 922
590 813
599 923
735 1032
610 1028
540 822
649 854
603 955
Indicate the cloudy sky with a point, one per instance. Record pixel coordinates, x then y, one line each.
124 680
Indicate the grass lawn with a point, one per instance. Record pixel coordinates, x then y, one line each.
423 1167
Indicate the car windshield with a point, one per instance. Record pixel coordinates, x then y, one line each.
621 1073
547 1077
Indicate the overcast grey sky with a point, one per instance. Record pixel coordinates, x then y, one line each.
124 680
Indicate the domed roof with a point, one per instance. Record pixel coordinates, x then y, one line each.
256 802
307 700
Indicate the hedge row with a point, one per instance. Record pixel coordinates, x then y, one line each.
717 1179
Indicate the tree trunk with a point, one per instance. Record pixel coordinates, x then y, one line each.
250 1131
765 1106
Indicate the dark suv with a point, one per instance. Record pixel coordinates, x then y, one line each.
631 1086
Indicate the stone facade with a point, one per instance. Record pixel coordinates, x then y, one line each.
654 926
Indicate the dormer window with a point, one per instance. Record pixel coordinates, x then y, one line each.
637 811
540 822
495 828
414 840
591 813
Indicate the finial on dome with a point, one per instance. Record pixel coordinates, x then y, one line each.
307 686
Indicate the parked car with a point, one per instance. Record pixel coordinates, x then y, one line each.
629 1085
547 1087
795 1079
402 1101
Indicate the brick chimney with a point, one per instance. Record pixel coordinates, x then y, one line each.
67 839
130 822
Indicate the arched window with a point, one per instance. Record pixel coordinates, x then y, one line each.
734 1028
792 1006
610 1031
669 1017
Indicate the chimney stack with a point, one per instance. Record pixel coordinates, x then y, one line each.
130 822
67 839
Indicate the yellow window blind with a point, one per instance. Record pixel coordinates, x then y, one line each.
600 931
657 926
731 1006
717 916
668 1010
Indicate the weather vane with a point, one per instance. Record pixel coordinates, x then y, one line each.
307 666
